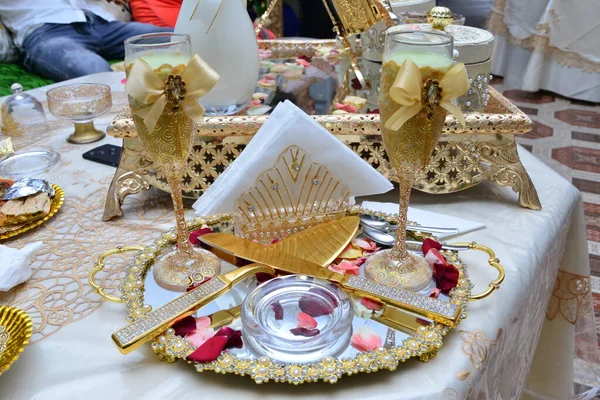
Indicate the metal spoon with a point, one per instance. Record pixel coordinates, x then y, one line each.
388 240
370 221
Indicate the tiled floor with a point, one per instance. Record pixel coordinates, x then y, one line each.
566 135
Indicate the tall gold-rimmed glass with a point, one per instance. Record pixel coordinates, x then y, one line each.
169 145
409 148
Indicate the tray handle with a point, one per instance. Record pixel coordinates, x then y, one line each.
494 263
99 266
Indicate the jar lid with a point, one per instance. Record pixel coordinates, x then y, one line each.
416 6
474 45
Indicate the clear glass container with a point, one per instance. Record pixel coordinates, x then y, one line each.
36 163
81 103
271 335
22 113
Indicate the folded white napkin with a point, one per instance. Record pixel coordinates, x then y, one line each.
16 264
288 125
427 218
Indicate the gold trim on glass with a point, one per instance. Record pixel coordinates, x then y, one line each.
55 205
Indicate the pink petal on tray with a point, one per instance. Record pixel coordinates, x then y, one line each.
306 321
209 350
365 339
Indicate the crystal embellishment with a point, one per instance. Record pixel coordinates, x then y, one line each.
412 299
155 319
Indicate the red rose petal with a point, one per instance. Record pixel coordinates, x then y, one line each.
356 84
194 235
210 350
371 304
184 326
316 307
305 332
262 277
429 244
446 277
278 310
234 338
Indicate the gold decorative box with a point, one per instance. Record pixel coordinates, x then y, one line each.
485 149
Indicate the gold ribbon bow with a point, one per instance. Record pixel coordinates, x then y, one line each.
146 86
407 90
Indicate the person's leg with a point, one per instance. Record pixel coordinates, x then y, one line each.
114 34
63 51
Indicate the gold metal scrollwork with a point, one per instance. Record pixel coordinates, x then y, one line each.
494 263
99 266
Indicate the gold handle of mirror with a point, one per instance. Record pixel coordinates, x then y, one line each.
99 266
494 263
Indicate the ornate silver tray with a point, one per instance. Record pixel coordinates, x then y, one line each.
141 294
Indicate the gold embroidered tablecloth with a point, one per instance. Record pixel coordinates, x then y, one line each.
489 356
547 44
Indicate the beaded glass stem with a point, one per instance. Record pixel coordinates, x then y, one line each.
409 148
169 145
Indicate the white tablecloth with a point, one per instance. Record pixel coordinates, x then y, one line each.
547 44
487 357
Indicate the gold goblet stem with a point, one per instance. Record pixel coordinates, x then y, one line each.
174 174
399 251
85 132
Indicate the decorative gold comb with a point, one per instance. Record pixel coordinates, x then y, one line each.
295 194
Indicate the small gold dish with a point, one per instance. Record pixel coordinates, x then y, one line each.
57 202
15 332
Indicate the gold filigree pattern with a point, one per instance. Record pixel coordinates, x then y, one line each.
570 297
457 163
168 144
409 150
9 126
58 293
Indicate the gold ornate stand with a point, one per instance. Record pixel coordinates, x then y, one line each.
483 150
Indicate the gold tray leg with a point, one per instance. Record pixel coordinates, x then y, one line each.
508 171
127 180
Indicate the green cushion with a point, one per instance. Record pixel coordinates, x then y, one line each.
12 73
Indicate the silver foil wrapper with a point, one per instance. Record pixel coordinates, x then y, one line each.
26 187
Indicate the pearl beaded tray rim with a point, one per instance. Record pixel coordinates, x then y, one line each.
423 344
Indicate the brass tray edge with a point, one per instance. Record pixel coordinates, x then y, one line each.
55 205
